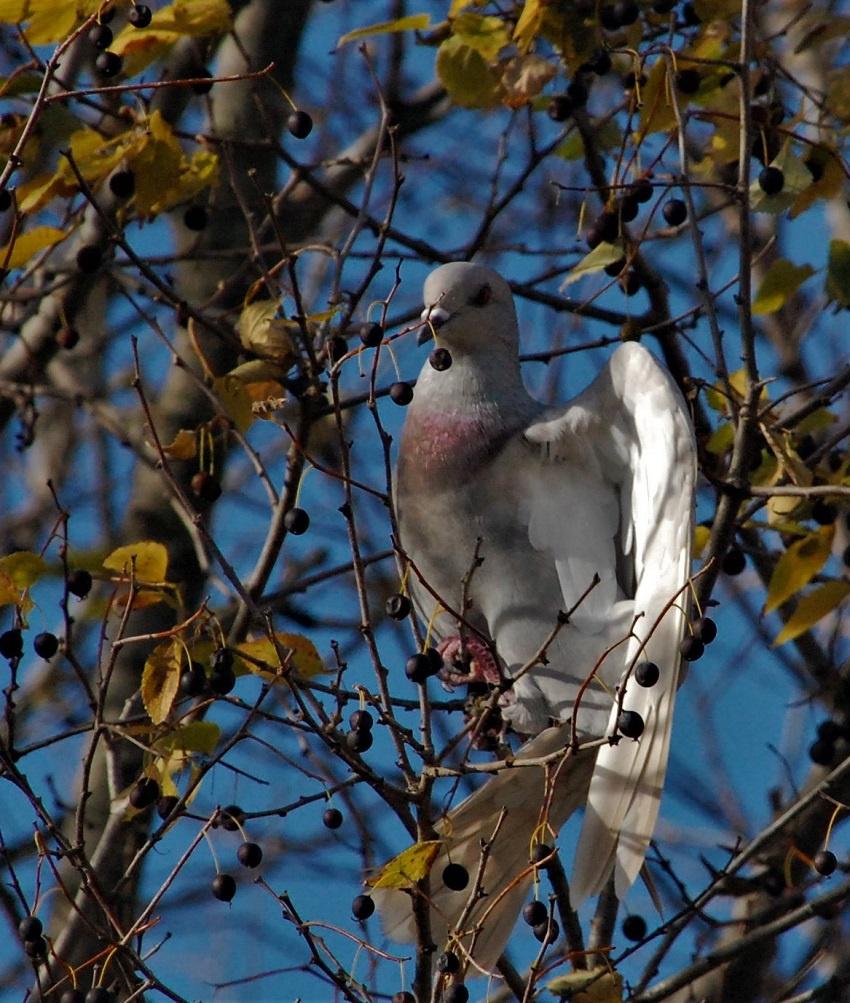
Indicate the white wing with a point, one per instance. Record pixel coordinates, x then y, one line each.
631 432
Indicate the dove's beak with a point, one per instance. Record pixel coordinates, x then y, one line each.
433 318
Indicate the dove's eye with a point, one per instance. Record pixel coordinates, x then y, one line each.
482 295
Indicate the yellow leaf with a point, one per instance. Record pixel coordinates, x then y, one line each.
140 48
264 334
50 22
24 567
702 534
600 257
40 191
201 17
196 736
522 77
408 867
656 110
256 371
184 445
798 565
779 284
528 26
161 679
157 166
413 22
812 608
466 75
234 401
827 186
599 985
297 651
487 35
147 561
9 592
14 11
28 244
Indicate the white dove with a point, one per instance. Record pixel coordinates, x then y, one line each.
508 511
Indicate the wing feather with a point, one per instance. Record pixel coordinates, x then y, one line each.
632 426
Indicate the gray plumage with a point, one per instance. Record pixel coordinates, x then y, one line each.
602 486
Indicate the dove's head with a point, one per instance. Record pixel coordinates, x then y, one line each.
467 306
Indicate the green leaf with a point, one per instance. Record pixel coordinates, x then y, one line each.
600 257
466 75
779 284
812 608
599 985
797 179
413 22
487 35
838 273
798 566
24 567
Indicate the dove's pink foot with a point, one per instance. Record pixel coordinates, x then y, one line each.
467 662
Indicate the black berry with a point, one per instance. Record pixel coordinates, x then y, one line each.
72 996
97 994
398 607
440 359
629 208
79 583
691 648
359 741
663 6
206 486
296 521
140 15
250 854
825 862
299 124
420 667
705 629
630 724
100 36
45 644
222 679
733 562
688 80
577 93
193 680
166 805
30 928
642 190
332 818
824 513
401 393
144 792
646 674
534 913
771 180
541 852
36 948
547 932
196 217
830 731
630 283
560 108
690 15
634 927
108 64
456 993
599 63
371 335
403 997
232 816
224 887
122 184
203 81
627 12
361 720
89 257
5 199
822 752
448 962
615 267
11 643
455 877
362 907
675 212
